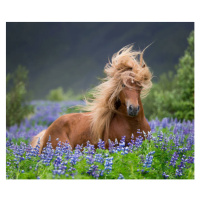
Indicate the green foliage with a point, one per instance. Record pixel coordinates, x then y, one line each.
59 95
173 95
16 107
56 94
185 83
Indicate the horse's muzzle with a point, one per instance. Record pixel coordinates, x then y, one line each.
132 110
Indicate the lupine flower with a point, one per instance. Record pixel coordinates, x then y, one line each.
89 149
101 144
94 171
164 122
99 158
165 176
131 144
149 135
138 131
190 159
178 172
90 159
121 176
108 164
149 159
174 159
111 146
183 161
138 142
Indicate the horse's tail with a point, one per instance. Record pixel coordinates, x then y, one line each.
35 139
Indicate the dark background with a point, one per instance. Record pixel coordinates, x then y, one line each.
73 55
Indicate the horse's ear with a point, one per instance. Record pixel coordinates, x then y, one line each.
117 104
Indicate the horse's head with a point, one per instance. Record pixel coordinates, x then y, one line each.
130 98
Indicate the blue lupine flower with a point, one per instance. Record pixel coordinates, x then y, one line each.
99 158
138 131
90 159
190 159
138 142
108 164
165 176
164 122
179 172
94 171
121 176
149 159
174 159
101 144
89 149
111 147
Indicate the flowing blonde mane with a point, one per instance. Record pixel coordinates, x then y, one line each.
124 65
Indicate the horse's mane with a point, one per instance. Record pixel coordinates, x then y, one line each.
124 65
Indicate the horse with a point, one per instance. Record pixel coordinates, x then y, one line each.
115 109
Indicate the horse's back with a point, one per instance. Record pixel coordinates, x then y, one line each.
73 128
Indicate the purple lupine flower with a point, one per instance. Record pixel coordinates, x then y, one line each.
99 158
138 142
74 158
190 141
174 159
149 135
101 144
89 159
111 147
108 164
149 159
89 149
94 171
179 172
164 122
131 144
152 125
47 154
190 160
122 141
182 150
121 145
175 130
121 176
165 176
176 141
183 161
160 136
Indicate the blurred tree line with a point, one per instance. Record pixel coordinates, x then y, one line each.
58 94
17 107
173 95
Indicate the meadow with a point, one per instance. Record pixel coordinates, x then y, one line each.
166 153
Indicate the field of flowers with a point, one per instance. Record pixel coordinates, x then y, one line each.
167 152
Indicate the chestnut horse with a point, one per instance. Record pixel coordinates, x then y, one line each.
114 111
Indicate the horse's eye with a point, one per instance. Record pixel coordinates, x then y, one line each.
123 85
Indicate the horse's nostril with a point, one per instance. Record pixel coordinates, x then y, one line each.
133 110
130 107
